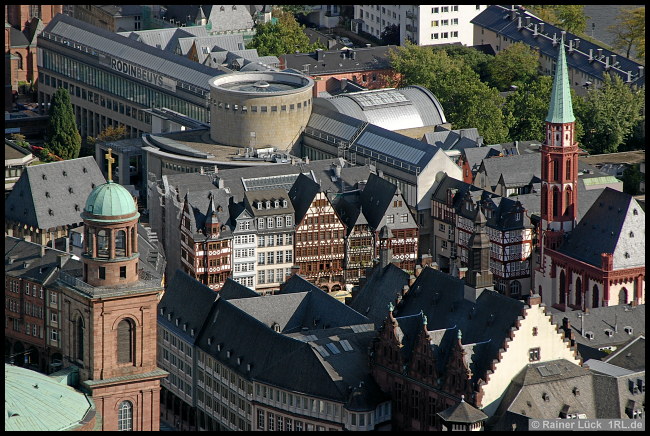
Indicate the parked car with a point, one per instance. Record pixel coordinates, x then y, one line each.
346 41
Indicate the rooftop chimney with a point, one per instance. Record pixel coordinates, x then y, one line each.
576 43
42 250
591 55
600 53
353 55
629 77
607 62
613 60
554 39
527 21
320 54
535 30
541 27
519 26
641 70
570 45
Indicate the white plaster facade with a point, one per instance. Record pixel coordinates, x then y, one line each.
421 24
536 330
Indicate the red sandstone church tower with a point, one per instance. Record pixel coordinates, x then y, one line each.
559 206
109 315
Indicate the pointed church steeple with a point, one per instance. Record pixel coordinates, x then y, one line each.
561 108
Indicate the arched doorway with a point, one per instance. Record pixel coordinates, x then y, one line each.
562 287
622 296
579 292
595 298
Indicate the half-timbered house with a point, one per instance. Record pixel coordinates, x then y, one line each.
319 243
206 237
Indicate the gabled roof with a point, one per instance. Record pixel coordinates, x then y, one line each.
228 18
441 298
166 39
462 413
381 289
183 289
615 224
262 196
53 194
366 59
517 170
376 197
199 204
233 290
630 356
302 194
27 263
459 139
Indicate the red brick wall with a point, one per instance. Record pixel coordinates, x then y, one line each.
325 82
145 397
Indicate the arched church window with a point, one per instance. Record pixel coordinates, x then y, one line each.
562 288
125 341
579 292
622 296
568 169
102 243
125 416
556 202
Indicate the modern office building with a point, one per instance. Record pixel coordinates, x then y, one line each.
115 80
419 24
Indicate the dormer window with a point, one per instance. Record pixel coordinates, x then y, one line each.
162 311
629 330
268 204
589 335
259 205
576 391
185 327
169 317
609 332
192 332
284 203
176 322
276 204
518 216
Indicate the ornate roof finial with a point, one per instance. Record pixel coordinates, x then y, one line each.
391 307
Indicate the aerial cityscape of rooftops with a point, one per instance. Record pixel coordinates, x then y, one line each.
324 217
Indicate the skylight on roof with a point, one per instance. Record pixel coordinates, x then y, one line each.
333 348
323 352
346 345
369 100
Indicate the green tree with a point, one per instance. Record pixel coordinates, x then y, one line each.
571 18
466 100
296 9
390 35
528 106
283 37
631 179
609 114
629 31
514 65
475 59
19 139
62 136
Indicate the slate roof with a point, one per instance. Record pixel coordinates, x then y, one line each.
152 254
253 197
103 41
517 170
17 38
233 290
391 109
199 203
630 356
462 413
435 293
181 290
28 264
302 194
619 223
382 287
458 139
496 18
601 318
544 390
323 310
167 38
228 18
333 62
45 195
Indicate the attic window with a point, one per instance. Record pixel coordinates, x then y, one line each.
176 322
589 335
70 190
259 205
162 311
209 341
609 332
635 212
76 207
84 170
546 397
222 9
268 204
185 327
64 174
169 317
45 178
192 332
276 204
576 391
284 203
627 255
92 185
534 331
47 194
628 329
50 211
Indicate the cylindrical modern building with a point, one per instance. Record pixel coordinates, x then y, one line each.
259 109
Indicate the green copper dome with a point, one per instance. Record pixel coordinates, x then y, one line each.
110 199
561 110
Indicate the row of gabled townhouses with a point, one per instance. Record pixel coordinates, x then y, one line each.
330 237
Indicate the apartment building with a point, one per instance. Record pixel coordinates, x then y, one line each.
420 24
272 215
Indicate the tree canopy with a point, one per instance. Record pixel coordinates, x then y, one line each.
466 100
571 18
609 114
514 65
629 31
390 35
475 59
62 136
282 37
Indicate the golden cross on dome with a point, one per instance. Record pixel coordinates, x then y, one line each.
110 160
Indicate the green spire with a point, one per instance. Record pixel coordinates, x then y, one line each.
561 109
